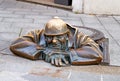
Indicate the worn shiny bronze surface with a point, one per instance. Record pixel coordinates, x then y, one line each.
56 26
60 44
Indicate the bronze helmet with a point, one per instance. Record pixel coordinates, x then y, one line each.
56 26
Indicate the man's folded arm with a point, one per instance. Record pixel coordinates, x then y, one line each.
27 46
87 52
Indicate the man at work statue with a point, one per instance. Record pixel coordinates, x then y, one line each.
59 44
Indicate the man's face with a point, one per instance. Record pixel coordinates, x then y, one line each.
57 41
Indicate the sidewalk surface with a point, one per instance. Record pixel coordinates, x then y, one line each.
16 15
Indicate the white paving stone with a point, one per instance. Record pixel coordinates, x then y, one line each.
117 17
1 19
27 25
111 26
43 21
38 17
40 7
26 12
73 22
11 15
5 12
5 24
18 9
54 14
21 20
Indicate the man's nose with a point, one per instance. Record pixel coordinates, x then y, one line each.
54 40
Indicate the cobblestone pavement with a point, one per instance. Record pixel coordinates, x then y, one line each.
16 15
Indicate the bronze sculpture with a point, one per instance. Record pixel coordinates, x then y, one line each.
59 44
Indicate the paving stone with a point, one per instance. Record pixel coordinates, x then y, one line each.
22 20
38 67
39 7
1 19
37 17
18 9
119 21
118 39
2 8
10 29
117 17
42 21
5 12
74 15
87 16
4 24
64 11
39 70
93 25
1 1
8 36
11 77
6 51
18 64
19 4
27 25
112 78
9 3
26 12
109 23
71 18
54 14
90 20
43 10
4 44
31 77
73 22
52 8
11 15
107 20
28 5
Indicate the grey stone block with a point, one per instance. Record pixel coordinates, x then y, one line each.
5 12
73 22
9 29
4 44
8 36
117 17
18 9
26 12
21 20
11 15
38 17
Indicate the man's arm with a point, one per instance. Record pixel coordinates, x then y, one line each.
27 46
87 52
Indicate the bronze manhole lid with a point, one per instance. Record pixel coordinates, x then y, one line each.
93 33
98 36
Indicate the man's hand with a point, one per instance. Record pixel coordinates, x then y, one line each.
60 59
57 58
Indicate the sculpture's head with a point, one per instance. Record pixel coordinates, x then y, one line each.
56 34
